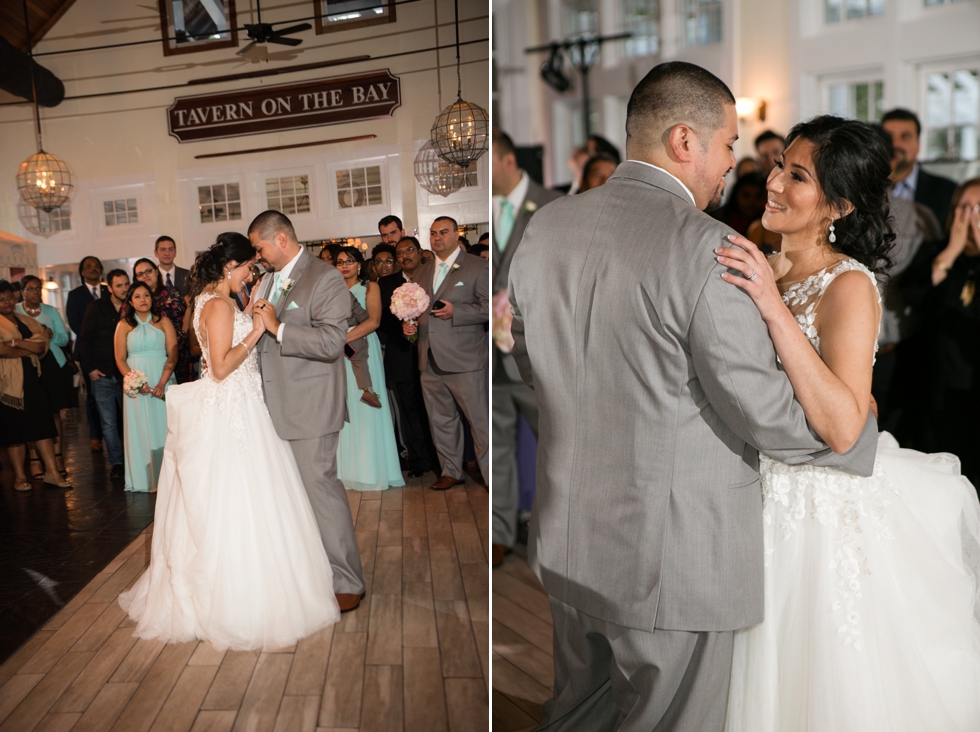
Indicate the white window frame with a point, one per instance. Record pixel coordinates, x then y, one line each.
843 11
116 193
58 214
627 45
869 77
333 191
310 174
682 25
971 63
198 183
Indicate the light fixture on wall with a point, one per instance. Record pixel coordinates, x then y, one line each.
435 174
44 180
461 132
748 107
50 284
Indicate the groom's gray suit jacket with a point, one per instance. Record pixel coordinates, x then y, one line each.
658 385
304 378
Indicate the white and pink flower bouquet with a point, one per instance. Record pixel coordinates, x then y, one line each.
408 302
133 383
501 322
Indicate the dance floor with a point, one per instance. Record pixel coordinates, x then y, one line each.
523 671
413 656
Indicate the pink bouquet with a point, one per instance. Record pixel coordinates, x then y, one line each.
408 302
502 319
133 383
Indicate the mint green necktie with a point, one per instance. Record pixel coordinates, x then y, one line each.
505 224
440 276
276 289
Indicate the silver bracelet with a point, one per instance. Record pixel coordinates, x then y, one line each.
248 351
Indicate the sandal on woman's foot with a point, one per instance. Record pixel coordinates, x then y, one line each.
23 486
58 484
37 474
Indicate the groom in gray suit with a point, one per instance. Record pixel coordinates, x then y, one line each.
305 305
658 387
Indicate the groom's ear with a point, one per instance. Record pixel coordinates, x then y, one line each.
681 141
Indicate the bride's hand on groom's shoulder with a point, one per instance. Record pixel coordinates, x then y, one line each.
757 277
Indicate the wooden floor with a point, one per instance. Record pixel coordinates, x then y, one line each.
523 670
413 656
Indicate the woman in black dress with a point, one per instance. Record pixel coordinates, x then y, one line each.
944 278
171 303
25 410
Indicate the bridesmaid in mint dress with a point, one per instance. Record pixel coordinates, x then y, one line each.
367 454
145 341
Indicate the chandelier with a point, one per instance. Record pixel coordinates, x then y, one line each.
44 180
436 175
461 132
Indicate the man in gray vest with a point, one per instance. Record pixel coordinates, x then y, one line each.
658 387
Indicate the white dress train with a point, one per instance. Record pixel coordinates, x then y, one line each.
236 556
872 616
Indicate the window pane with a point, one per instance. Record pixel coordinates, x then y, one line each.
861 102
121 219
120 206
286 185
110 219
232 191
969 142
357 177
133 217
879 101
344 199
131 204
374 196
581 16
272 187
876 7
274 204
966 97
837 100
937 100
936 147
832 11
642 19
219 194
302 184
108 207
337 11
207 215
289 205
856 8
374 176
220 213
234 211
303 204
343 179
204 194
195 20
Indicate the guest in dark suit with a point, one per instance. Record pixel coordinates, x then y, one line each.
171 275
91 289
453 350
99 362
402 364
515 199
911 182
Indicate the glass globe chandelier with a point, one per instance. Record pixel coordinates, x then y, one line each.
435 174
461 132
44 180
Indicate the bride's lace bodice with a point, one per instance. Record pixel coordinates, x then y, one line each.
247 375
849 505
803 297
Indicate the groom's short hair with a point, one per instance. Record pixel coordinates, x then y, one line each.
269 223
675 93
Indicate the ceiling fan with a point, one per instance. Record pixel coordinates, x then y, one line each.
264 33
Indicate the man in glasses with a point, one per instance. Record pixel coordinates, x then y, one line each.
401 359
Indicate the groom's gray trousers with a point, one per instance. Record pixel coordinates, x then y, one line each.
317 461
608 677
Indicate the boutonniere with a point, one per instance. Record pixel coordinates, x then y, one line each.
530 206
287 285
454 267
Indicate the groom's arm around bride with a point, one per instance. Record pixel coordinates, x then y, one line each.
305 304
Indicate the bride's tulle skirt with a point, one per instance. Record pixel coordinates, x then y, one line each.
871 614
236 556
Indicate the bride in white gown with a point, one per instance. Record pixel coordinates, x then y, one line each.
872 619
236 557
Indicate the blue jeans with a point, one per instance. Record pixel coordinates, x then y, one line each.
108 398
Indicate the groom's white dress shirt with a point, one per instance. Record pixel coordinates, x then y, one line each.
667 172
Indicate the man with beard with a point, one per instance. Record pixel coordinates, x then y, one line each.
911 182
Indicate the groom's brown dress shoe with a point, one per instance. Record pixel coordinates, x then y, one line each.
445 483
348 601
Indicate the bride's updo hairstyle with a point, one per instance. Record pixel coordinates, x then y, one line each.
853 163
209 267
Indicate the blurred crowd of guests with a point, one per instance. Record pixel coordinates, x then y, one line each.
414 404
927 371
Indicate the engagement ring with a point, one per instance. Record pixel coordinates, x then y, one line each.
752 276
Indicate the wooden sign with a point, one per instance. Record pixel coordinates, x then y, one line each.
292 106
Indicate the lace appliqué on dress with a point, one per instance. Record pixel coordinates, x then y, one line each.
247 377
848 504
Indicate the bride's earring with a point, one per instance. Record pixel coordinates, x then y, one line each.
833 236
831 228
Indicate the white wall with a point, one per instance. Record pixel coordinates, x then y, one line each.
121 143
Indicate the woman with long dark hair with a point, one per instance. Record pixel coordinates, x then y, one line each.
173 305
145 341
237 557
367 454
872 617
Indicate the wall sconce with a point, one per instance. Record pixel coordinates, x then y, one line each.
50 285
747 107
